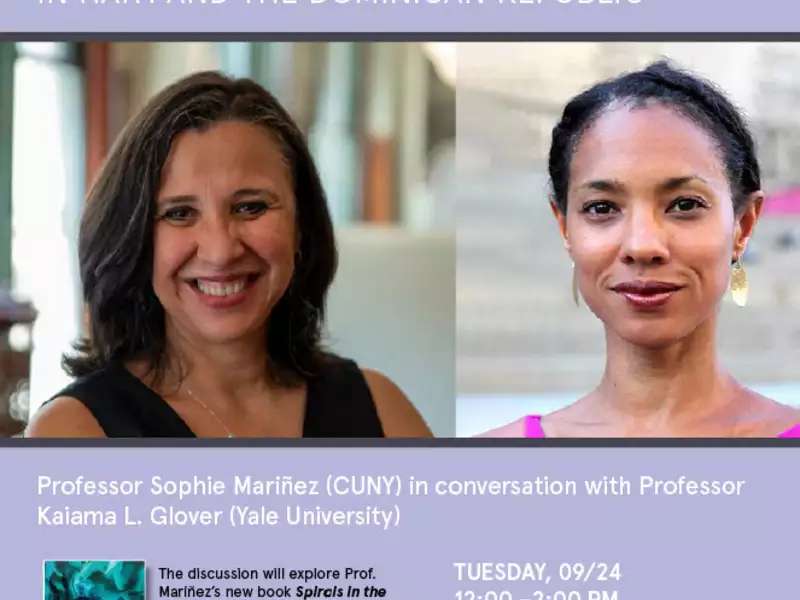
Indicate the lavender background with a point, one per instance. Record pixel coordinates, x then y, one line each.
550 16
670 547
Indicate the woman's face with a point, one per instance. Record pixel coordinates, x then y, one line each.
225 234
650 223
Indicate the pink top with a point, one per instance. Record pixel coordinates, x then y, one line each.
533 428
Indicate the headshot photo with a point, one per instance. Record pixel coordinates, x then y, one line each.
627 242
252 240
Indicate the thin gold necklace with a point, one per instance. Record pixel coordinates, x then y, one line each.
210 411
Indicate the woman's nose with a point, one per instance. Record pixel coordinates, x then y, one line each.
645 239
219 242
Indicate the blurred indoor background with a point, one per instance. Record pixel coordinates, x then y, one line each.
522 345
380 119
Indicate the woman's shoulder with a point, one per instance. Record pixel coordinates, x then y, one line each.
85 407
515 429
398 416
770 418
64 417
369 391
69 413
788 422
559 423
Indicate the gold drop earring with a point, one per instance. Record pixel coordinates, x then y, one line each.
576 297
738 283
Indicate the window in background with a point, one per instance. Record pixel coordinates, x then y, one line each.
380 121
7 55
47 192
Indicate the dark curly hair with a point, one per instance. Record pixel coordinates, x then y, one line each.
691 96
116 238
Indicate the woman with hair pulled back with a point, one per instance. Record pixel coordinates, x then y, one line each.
656 191
206 252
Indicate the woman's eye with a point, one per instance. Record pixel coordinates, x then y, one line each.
250 209
599 208
683 205
178 214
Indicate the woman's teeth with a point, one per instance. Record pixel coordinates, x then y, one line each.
219 288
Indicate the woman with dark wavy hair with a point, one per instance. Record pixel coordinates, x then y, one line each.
656 191
206 252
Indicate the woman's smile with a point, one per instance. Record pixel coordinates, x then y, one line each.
223 291
646 295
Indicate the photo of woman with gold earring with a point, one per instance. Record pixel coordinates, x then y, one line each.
656 191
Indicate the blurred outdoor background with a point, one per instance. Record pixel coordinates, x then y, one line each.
522 345
380 119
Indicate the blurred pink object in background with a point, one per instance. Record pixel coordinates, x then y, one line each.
786 202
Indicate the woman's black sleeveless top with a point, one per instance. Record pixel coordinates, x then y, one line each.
338 404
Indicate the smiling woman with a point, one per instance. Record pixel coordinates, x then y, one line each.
206 252
225 236
656 191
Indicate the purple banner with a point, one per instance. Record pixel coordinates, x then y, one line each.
403 523
352 16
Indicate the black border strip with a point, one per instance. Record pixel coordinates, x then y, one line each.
406 36
403 443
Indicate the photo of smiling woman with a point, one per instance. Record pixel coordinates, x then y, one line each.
206 251
656 192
